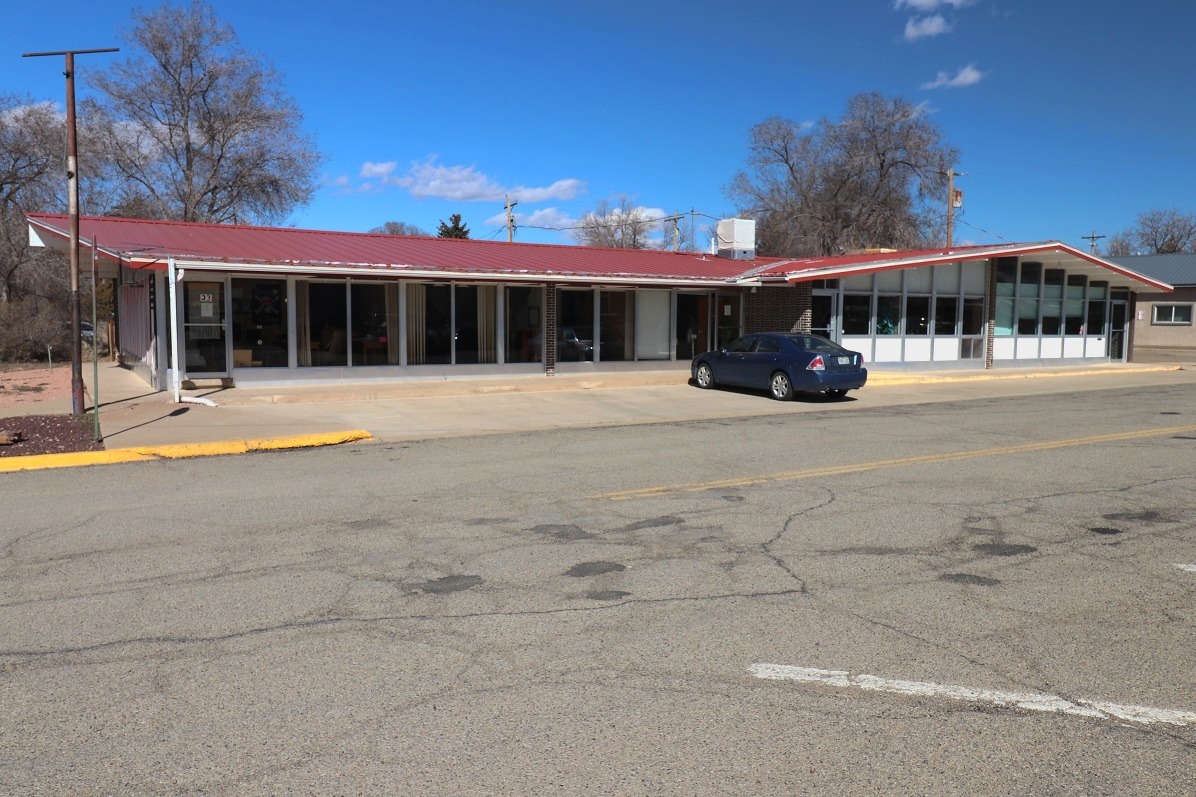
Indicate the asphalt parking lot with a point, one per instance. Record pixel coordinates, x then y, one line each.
990 594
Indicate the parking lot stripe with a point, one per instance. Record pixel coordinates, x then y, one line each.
1186 568
1030 701
928 459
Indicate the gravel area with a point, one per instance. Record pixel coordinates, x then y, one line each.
24 383
48 434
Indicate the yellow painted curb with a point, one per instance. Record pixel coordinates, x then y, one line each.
879 380
180 451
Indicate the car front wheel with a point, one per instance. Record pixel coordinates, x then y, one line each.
705 377
782 388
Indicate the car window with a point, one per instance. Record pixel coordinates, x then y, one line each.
768 346
744 344
815 343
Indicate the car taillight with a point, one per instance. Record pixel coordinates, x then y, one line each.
816 364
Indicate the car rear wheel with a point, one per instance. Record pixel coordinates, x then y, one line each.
705 377
836 393
782 388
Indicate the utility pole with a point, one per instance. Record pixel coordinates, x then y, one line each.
72 186
1093 239
954 200
510 219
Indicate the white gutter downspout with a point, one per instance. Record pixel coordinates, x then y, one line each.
174 276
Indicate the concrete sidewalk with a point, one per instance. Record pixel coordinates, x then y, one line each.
132 415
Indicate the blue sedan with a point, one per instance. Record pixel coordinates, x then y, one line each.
782 363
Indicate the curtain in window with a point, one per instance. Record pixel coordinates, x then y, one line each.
487 340
417 340
303 322
392 323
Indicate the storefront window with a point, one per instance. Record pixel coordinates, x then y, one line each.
888 315
429 324
973 316
1006 286
917 315
945 311
375 327
524 312
475 324
1052 304
1098 290
1073 307
1027 317
857 313
259 323
322 321
574 325
1031 276
617 325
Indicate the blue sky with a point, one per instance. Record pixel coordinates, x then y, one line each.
1069 117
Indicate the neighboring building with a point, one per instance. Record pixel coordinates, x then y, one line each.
1162 322
267 305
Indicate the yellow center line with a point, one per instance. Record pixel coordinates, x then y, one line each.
927 459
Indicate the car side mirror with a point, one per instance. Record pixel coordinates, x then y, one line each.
722 351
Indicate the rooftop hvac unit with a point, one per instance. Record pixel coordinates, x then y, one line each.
737 239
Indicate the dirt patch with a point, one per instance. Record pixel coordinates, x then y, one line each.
21 383
48 434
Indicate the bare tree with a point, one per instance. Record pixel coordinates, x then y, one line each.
32 140
398 228
622 225
1161 232
1119 245
875 177
200 129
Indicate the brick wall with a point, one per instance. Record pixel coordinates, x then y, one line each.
549 335
777 309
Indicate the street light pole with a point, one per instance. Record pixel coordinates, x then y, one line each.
72 186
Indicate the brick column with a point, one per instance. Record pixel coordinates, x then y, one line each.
549 336
1132 320
990 322
805 306
777 309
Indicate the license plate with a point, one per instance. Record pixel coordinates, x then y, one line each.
844 361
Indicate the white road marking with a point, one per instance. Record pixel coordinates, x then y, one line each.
1188 568
1033 701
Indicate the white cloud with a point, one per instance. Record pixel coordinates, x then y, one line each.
966 76
466 184
927 26
926 6
544 217
375 171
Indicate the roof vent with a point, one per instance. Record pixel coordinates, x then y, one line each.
737 239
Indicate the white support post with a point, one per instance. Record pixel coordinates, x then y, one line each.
173 275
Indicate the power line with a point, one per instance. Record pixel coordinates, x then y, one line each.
962 220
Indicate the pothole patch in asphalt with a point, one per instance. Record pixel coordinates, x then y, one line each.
594 569
448 584
567 532
970 578
607 595
1003 549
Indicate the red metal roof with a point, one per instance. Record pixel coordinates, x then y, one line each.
803 270
152 242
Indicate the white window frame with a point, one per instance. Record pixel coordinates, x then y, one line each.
1154 315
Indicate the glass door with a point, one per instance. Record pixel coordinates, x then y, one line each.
726 318
824 316
1117 317
204 328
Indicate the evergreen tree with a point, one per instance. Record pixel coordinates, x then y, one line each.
454 229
